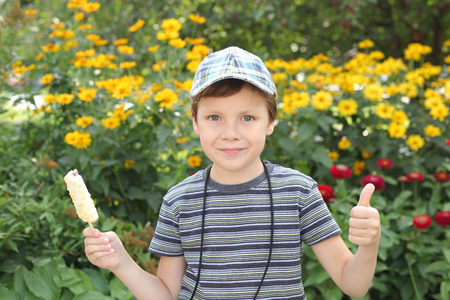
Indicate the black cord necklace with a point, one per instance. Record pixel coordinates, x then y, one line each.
272 229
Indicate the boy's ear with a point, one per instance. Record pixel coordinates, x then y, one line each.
195 126
270 128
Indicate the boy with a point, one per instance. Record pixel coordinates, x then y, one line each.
235 230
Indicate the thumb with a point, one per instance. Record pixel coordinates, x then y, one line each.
366 194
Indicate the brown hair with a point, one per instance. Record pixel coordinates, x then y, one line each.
230 87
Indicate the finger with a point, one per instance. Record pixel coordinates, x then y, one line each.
366 194
91 232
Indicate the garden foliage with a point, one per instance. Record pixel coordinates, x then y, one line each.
115 105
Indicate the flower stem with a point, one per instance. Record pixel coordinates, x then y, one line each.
413 281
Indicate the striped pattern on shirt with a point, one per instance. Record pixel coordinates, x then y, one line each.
237 233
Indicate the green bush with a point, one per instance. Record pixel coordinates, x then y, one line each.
116 107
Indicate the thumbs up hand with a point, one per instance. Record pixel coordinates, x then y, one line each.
364 224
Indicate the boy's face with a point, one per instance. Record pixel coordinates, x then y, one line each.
233 132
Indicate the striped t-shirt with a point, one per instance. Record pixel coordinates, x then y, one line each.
237 233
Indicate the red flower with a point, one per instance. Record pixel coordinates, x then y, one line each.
327 193
447 142
385 163
442 218
414 176
422 221
442 177
340 171
376 180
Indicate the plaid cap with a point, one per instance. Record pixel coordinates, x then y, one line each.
236 63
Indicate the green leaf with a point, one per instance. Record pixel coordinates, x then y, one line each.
136 193
19 285
99 282
305 132
91 295
80 282
288 144
325 123
39 283
437 266
446 252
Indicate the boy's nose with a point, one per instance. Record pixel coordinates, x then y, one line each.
230 131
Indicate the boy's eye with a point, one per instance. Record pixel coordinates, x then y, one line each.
214 118
247 118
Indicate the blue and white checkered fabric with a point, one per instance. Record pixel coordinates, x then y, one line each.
232 62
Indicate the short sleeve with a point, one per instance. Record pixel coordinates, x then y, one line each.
166 240
316 222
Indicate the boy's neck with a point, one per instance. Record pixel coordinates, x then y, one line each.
224 176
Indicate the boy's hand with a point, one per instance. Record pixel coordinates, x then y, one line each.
103 249
364 221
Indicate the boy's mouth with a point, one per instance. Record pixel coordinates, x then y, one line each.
231 151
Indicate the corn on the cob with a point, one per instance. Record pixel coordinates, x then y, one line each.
80 197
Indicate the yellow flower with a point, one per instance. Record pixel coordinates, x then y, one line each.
366 44
31 11
348 107
415 51
46 79
439 112
408 89
198 52
129 164
122 90
399 117
40 56
135 27
432 131
167 35
50 98
344 143
51 47
195 41
322 100
186 85
91 7
167 98
294 100
183 140
87 95
78 139
280 78
160 65
127 64
93 37
177 43
415 142
85 26
333 155
396 130
111 123
365 154
84 121
385 110
126 49
197 19
120 42
170 25
64 99
153 49
193 65
358 167
194 161
79 16
373 92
